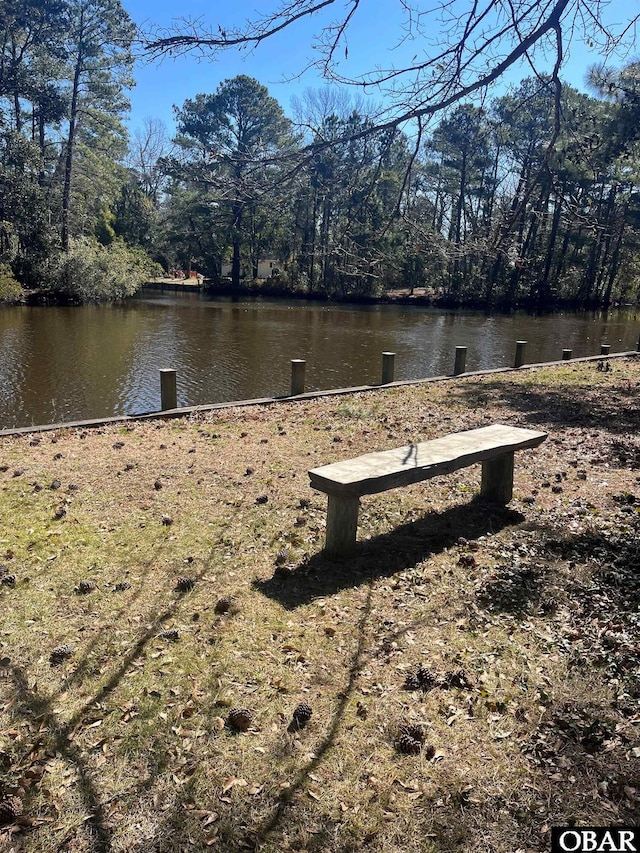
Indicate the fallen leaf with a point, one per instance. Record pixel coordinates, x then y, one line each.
231 782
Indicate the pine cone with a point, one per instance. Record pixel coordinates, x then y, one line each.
412 682
302 714
281 557
426 679
121 586
8 580
408 745
170 634
185 584
61 654
413 730
10 809
457 678
84 587
239 719
223 605
547 605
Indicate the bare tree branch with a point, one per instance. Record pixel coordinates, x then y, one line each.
253 35
482 41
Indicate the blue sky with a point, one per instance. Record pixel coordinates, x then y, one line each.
373 40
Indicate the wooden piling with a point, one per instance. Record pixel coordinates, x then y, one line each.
168 390
566 354
520 351
461 361
388 367
604 349
298 367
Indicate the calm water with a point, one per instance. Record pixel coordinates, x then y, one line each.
60 364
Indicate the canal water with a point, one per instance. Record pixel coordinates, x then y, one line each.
71 363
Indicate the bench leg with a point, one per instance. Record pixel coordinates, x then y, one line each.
342 523
497 479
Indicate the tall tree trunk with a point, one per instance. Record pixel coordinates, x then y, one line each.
615 261
71 138
16 93
41 144
544 289
235 258
324 235
562 254
612 227
312 249
589 278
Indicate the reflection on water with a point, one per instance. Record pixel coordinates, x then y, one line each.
70 363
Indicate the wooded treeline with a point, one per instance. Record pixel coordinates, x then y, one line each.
530 199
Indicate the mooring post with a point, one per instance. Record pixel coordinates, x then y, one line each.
168 392
461 361
520 348
298 367
566 354
388 365
604 349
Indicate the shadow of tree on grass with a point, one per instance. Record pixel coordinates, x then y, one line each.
55 734
613 409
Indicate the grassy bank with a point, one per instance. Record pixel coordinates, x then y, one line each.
527 619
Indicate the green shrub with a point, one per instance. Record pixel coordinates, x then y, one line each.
91 272
10 289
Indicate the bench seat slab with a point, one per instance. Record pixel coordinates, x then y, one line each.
389 469
344 482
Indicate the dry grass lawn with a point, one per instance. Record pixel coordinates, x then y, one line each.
124 746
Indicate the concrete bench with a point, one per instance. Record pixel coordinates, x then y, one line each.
345 482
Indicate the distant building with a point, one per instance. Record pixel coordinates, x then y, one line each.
266 267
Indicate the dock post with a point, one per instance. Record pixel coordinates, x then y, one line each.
298 367
520 348
566 354
168 392
604 349
388 366
461 361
